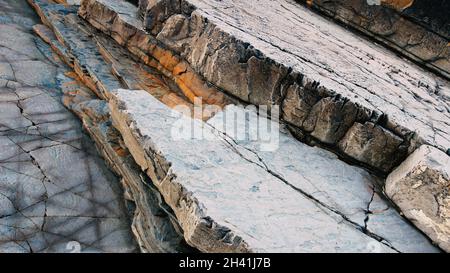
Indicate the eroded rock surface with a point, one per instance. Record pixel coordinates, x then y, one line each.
56 193
220 192
418 29
420 187
228 197
325 78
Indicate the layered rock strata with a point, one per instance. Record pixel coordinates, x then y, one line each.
417 29
305 208
228 197
56 192
369 105
420 187
153 223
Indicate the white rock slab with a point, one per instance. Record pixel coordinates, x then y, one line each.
223 201
420 187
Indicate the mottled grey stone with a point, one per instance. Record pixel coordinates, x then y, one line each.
417 29
258 60
420 187
206 180
55 191
372 144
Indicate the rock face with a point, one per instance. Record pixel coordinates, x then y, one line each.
195 178
232 179
420 187
418 29
56 193
153 223
319 92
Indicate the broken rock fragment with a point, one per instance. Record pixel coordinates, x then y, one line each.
420 187
373 145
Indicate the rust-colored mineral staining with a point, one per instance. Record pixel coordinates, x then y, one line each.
398 4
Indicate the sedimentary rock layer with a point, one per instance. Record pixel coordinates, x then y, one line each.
56 192
103 66
216 185
420 187
229 197
418 29
337 88
153 225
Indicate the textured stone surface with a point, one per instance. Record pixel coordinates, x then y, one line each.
418 29
269 61
371 144
229 197
103 65
154 226
420 187
56 194
347 193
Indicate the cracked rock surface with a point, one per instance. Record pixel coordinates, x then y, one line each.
56 193
221 192
228 197
326 79
420 187
417 29
342 198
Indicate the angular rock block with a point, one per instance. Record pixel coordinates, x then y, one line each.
101 64
372 144
418 29
420 187
153 225
229 198
324 84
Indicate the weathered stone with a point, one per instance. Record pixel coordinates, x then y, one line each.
347 190
418 29
155 229
420 187
257 62
372 144
56 195
330 119
216 185
209 178
95 59
152 225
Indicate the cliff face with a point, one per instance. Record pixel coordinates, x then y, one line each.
237 126
419 29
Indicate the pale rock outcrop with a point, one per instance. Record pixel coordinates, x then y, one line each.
206 180
420 187
56 192
154 227
222 193
324 83
417 29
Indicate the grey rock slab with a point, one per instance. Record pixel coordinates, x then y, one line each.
348 190
11 118
154 226
54 188
82 49
211 188
416 29
225 42
17 40
420 187
34 73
